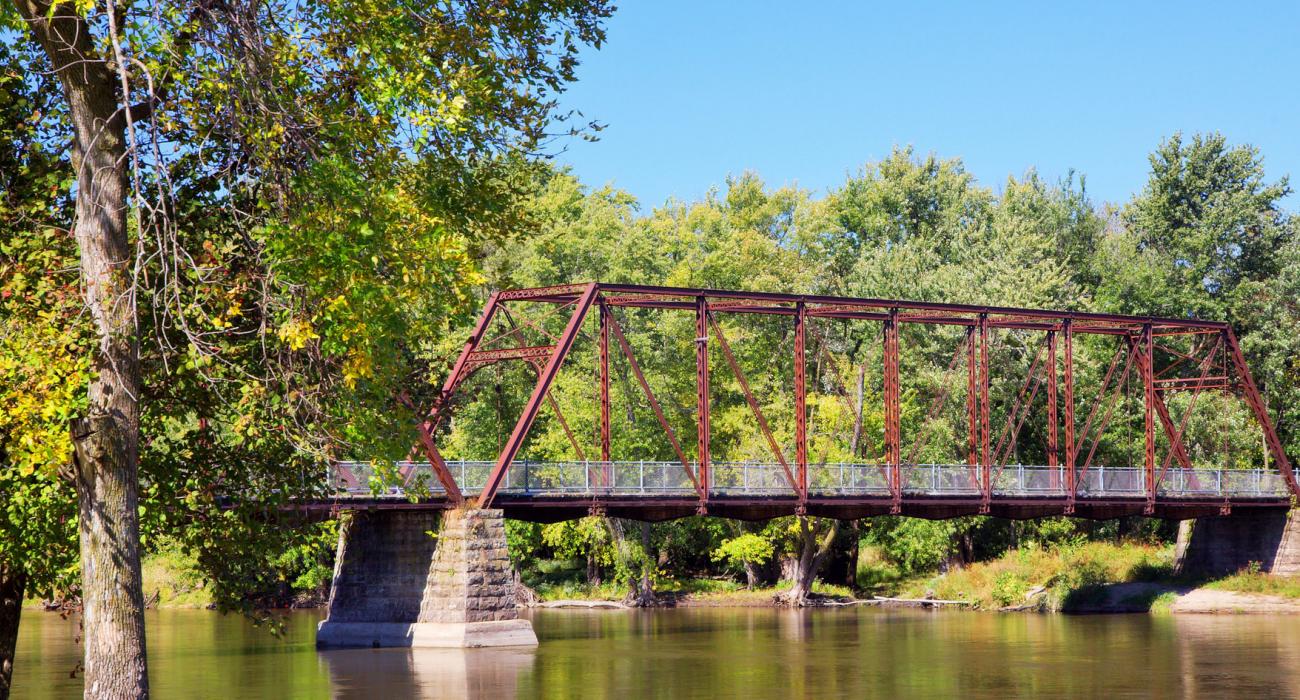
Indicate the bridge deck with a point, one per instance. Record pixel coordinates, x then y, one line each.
658 490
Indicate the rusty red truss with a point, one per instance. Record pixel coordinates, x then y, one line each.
1154 358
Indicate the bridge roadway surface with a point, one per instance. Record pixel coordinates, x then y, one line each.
548 492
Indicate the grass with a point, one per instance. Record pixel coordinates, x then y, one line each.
170 575
876 575
1163 603
1066 576
1252 580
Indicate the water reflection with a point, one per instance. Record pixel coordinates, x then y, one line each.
1222 656
715 653
437 674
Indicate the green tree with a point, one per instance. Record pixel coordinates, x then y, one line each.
41 367
254 106
1212 221
746 552
1209 237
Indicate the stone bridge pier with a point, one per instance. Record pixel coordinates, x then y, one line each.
420 578
1226 544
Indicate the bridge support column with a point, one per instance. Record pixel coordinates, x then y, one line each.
1226 544
395 585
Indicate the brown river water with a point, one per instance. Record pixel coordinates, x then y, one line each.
751 653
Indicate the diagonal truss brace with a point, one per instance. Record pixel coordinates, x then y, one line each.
544 379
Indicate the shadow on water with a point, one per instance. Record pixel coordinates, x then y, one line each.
426 673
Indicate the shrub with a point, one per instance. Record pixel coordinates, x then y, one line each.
1009 588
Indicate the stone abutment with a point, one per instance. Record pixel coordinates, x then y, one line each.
1215 546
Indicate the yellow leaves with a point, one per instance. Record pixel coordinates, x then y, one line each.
42 385
244 425
296 333
359 364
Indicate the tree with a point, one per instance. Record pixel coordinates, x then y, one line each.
161 97
589 538
1212 221
747 552
1209 237
42 364
813 541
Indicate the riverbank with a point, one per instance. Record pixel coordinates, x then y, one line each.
1118 598
1101 577
1086 578
171 580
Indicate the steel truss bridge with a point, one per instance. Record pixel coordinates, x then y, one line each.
1162 355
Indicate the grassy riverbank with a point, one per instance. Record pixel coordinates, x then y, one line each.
1036 578
1098 577
1090 577
1087 577
172 581
708 592
1059 578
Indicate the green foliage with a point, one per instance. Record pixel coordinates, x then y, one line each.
306 236
1252 580
915 544
587 537
749 548
876 573
172 579
43 363
308 564
1070 573
914 227
1211 219
1009 588
524 540
350 188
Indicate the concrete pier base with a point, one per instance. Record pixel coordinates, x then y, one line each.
1216 546
397 585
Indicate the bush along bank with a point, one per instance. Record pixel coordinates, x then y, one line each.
1104 577
1068 577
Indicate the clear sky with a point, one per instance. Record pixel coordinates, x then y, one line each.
806 92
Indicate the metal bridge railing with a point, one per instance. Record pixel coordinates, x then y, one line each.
652 478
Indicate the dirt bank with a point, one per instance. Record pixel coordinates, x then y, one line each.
1178 600
1205 600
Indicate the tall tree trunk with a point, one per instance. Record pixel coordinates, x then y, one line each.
13 584
855 552
646 595
641 592
106 439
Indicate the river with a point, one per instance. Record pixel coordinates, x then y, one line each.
750 653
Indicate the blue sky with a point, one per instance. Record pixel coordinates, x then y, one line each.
805 93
